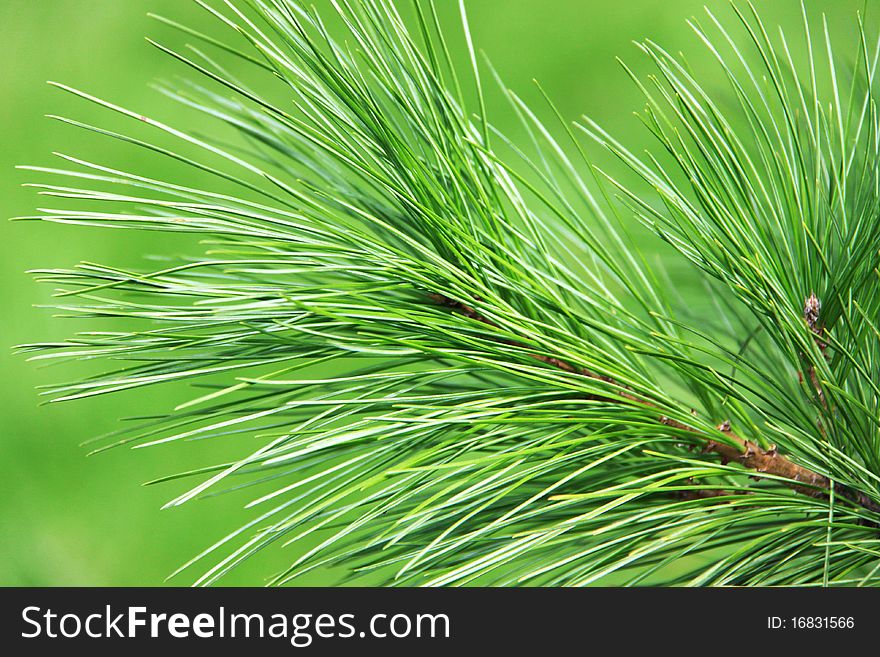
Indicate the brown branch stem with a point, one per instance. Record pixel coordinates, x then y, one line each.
738 450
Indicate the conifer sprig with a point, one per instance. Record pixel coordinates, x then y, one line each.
443 354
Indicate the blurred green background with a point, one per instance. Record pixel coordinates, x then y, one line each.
71 520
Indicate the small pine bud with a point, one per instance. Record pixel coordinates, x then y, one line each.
812 306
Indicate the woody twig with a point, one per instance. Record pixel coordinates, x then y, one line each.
737 450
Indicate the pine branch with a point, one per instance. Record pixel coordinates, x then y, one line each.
743 451
542 430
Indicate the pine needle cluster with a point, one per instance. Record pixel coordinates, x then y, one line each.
446 358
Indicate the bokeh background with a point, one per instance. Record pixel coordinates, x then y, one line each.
66 519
